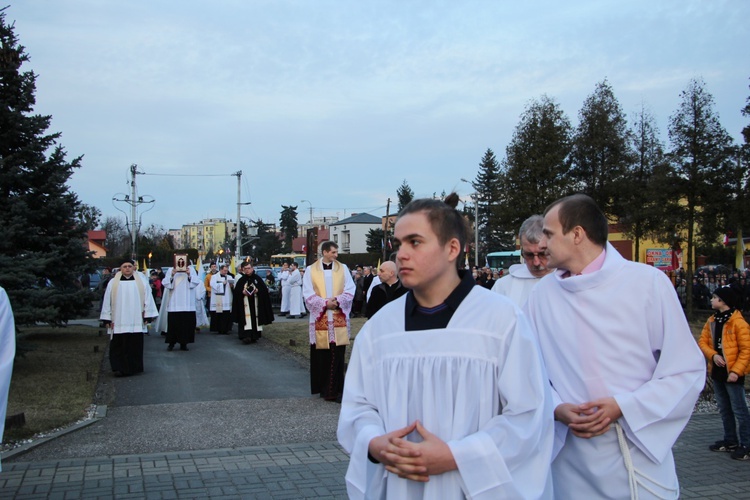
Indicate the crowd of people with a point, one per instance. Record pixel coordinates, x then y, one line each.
570 376
706 281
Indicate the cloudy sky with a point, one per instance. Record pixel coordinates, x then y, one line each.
339 102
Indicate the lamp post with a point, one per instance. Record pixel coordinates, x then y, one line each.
306 201
475 196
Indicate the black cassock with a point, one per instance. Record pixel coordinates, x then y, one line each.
261 312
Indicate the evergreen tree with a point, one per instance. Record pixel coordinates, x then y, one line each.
492 236
268 243
536 169
646 197
375 240
42 242
701 156
405 195
600 149
288 225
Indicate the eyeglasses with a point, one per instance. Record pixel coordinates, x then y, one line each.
531 255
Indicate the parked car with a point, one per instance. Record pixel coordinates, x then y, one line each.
274 290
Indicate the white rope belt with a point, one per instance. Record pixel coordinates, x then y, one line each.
635 477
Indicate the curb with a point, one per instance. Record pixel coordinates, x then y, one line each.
99 413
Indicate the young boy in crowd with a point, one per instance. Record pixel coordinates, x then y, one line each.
725 342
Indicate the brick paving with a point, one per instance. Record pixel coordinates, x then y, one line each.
296 471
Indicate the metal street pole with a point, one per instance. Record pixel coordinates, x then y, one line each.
238 252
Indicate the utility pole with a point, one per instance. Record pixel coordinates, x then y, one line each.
385 226
133 200
239 219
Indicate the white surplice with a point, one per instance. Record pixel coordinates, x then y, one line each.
132 304
181 290
221 292
618 332
478 384
517 285
295 293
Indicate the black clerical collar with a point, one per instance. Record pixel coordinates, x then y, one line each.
416 320
327 266
124 278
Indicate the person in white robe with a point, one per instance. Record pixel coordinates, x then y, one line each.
446 395
180 307
221 299
201 318
284 287
621 359
328 289
522 278
7 353
295 291
127 308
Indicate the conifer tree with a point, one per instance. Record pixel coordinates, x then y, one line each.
647 197
701 153
492 235
600 149
42 237
536 169
405 195
288 225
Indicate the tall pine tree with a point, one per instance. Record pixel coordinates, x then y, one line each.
405 195
42 240
288 225
492 236
646 198
600 149
536 169
701 152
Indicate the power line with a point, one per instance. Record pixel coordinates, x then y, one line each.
188 175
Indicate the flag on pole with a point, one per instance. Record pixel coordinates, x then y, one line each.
232 268
198 266
378 268
144 268
739 258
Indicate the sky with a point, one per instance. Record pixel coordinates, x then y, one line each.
337 103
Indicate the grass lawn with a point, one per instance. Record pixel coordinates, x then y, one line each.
284 332
54 383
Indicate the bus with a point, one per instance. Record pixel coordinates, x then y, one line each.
278 259
503 260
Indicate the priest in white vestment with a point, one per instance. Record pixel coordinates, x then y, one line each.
621 359
180 307
328 288
128 305
445 395
221 299
522 278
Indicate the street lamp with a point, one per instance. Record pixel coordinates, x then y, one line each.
305 201
475 196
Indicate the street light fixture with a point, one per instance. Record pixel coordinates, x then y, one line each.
475 196
311 218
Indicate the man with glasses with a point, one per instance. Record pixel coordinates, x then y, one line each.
523 277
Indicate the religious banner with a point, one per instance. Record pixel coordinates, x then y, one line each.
180 262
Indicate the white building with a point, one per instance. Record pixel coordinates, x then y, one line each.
351 233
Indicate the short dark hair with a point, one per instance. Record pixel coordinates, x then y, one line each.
327 245
581 210
446 222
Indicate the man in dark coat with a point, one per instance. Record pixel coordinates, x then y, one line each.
389 289
251 305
